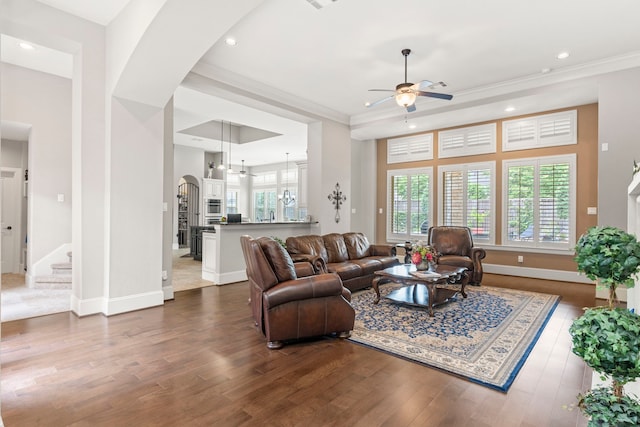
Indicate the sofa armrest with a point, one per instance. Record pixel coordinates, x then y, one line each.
317 286
477 254
382 250
319 266
304 269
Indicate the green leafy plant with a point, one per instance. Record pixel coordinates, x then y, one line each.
606 409
608 338
610 255
279 240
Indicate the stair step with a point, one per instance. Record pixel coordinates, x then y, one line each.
61 266
58 281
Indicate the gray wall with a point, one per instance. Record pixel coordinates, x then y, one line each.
619 127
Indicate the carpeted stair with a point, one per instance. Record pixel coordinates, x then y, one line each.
60 277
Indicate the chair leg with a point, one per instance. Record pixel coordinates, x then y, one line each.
274 345
345 334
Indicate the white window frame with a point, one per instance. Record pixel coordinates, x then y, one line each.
537 162
467 137
538 131
465 168
403 237
410 148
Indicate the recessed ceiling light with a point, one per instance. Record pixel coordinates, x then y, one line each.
412 126
562 55
509 109
26 46
230 41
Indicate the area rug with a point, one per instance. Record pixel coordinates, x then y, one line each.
484 338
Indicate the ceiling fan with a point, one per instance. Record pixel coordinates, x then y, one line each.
243 173
406 93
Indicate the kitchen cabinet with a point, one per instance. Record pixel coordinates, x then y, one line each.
213 188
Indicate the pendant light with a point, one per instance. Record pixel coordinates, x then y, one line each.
230 169
286 198
221 165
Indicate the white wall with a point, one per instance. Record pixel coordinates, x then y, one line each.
363 187
44 101
329 162
618 112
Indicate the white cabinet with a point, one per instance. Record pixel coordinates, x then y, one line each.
210 256
213 188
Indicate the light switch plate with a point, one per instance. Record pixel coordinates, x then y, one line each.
592 210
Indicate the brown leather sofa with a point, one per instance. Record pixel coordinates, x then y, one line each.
350 255
455 247
288 300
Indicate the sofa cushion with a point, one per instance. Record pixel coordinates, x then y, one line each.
279 259
312 245
336 248
455 260
357 245
346 270
385 261
368 265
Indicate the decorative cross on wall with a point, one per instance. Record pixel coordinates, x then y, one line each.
337 198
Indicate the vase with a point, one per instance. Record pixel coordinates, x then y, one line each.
425 265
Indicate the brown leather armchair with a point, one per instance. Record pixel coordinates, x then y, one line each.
455 247
289 301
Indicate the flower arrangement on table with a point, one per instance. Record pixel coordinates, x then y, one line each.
423 254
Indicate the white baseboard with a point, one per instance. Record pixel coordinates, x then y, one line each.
133 302
226 278
167 291
86 307
112 306
537 273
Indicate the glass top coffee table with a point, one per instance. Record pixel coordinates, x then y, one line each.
421 288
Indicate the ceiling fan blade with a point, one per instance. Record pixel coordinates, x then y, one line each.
411 108
380 101
435 95
425 84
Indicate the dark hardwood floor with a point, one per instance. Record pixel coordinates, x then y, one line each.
198 361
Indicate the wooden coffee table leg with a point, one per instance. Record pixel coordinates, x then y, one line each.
374 285
431 293
464 281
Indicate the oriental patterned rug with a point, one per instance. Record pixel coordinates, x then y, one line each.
484 338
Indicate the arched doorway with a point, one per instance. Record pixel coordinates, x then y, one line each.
188 194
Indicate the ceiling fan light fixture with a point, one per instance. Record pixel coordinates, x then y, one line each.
405 96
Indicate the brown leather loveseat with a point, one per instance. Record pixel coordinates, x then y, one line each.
288 300
350 255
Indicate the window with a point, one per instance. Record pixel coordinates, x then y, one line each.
466 198
288 181
232 200
410 206
540 131
264 205
265 196
410 148
467 141
539 202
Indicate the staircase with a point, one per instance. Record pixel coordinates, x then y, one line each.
60 277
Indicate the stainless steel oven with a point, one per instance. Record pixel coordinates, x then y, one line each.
213 207
211 220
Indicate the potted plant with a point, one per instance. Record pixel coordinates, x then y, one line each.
608 338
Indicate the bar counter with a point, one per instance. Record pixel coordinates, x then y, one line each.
222 259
